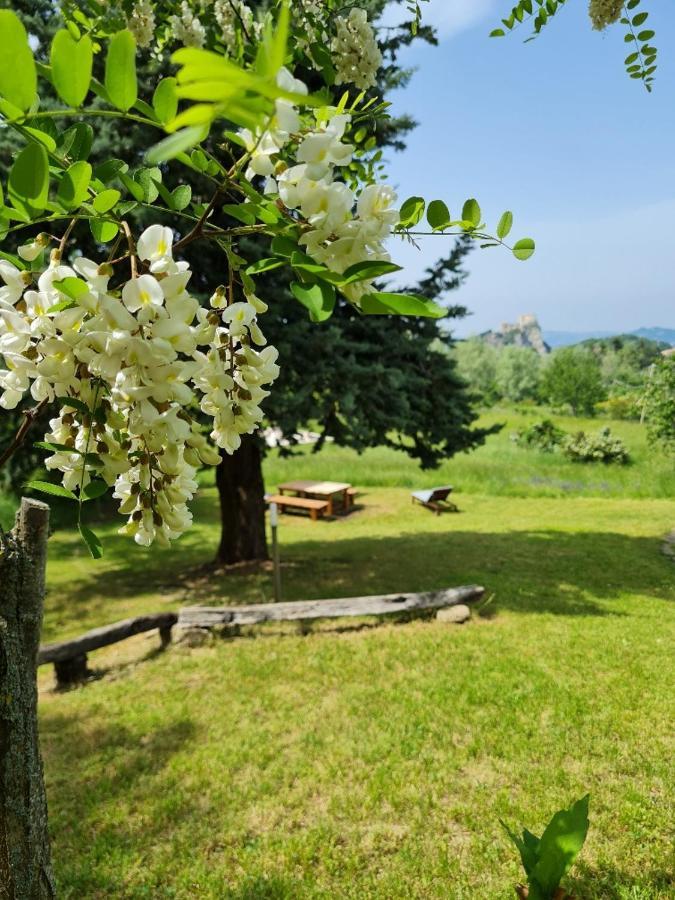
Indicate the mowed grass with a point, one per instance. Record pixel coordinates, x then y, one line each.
370 761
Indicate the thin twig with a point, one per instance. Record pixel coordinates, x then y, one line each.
66 235
29 417
132 249
198 228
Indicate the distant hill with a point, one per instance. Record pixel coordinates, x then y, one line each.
565 338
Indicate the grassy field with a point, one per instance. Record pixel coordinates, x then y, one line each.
376 762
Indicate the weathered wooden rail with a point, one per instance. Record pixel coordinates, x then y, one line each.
70 657
205 617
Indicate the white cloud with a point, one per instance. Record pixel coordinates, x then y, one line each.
449 17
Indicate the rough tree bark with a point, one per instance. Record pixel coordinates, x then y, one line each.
241 492
25 865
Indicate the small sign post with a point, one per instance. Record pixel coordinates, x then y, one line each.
274 523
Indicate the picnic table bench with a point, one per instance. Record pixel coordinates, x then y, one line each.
435 499
325 491
316 508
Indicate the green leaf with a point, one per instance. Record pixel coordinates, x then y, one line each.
92 541
284 246
103 231
438 214
74 403
527 846
55 448
368 269
56 490
28 184
71 66
71 287
181 196
77 141
105 201
505 225
319 299
559 846
18 76
411 212
265 265
165 100
95 488
120 70
63 305
524 248
74 185
471 212
176 143
380 303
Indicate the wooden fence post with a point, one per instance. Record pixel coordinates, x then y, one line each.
25 864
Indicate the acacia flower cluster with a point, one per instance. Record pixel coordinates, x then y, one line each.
233 17
303 166
129 365
604 12
187 28
141 22
356 55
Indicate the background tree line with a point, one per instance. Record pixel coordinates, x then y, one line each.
607 376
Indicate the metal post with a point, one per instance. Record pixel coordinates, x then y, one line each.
274 523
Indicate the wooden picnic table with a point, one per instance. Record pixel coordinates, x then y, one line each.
324 490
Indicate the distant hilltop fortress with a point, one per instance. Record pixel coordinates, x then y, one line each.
525 333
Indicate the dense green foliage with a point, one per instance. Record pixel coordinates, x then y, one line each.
578 447
573 378
659 403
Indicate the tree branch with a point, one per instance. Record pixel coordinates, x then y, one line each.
29 417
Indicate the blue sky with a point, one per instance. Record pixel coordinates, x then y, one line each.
555 131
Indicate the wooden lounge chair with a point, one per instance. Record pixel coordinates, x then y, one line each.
435 499
316 508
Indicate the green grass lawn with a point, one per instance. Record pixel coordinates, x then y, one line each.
376 761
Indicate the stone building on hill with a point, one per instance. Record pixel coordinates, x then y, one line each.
525 333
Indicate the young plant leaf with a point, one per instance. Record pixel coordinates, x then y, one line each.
71 66
165 100
74 185
471 212
18 75
438 214
92 541
505 225
120 70
56 490
28 185
411 212
319 299
105 201
95 488
523 249
380 303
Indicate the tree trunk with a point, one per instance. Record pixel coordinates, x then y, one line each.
25 866
241 492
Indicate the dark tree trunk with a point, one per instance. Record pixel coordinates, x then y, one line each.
25 866
241 492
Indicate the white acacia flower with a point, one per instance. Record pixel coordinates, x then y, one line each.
155 245
141 292
34 248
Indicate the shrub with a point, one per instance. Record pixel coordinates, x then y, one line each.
624 406
600 447
544 435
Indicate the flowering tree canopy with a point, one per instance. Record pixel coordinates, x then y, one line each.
129 354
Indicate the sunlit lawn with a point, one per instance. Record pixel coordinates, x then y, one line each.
376 761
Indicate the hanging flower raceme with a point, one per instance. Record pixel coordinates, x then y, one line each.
129 365
304 167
